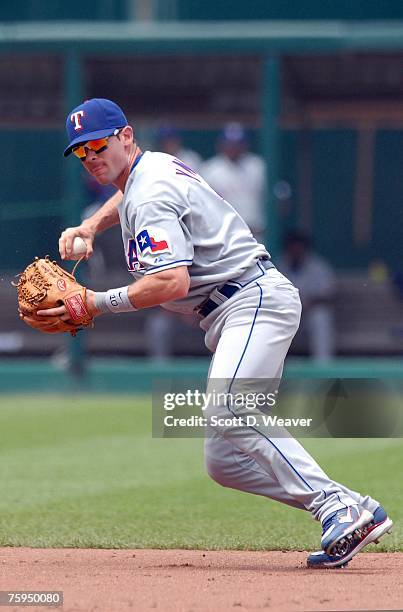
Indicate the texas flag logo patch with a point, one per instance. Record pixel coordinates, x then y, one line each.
154 240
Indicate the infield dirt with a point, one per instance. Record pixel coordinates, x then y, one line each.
188 580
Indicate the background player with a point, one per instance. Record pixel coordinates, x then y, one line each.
169 140
191 252
239 176
317 287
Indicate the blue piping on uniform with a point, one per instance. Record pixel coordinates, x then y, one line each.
247 342
263 272
170 263
136 161
241 286
341 501
229 391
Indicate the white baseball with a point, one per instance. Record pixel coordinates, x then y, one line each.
79 248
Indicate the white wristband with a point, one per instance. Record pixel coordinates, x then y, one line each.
114 300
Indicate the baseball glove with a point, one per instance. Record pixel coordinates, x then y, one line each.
44 284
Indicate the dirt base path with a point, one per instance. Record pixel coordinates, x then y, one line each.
191 581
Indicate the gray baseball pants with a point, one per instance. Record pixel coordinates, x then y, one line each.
250 335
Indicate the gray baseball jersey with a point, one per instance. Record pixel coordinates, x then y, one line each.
171 217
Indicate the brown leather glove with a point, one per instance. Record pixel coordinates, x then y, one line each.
44 284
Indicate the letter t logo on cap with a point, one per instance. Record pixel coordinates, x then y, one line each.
75 118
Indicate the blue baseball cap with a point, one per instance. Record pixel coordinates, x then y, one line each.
233 132
95 118
168 131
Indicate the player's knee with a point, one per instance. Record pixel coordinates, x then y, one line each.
216 470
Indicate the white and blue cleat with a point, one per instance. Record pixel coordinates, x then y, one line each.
346 532
342 524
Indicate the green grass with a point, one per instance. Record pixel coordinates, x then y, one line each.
84 471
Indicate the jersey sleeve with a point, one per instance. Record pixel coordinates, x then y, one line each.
163 240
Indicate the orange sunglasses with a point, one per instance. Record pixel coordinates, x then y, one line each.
98 145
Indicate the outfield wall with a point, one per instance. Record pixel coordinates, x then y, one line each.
138 376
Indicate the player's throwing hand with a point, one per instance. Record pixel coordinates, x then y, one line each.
67 238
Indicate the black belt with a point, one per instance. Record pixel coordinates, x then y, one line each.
227 291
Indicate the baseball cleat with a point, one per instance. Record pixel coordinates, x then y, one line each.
378 527
340 527
320 559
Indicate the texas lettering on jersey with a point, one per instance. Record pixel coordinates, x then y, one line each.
184 170
133 263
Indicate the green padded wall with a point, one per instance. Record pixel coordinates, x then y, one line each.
290 9
32 167
44 10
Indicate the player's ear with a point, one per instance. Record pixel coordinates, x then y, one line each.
127 134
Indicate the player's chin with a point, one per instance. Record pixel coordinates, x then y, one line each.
101 177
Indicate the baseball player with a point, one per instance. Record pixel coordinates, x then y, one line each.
169 140
189 251
239 176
